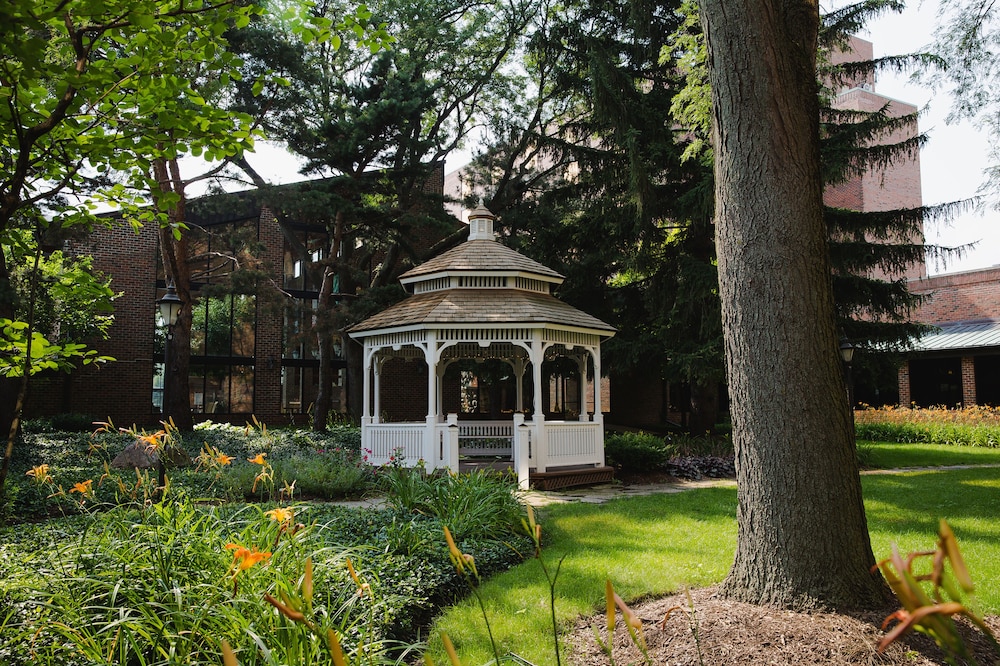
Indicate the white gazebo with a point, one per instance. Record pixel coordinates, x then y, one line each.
478 301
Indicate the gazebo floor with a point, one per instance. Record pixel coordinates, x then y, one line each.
553 479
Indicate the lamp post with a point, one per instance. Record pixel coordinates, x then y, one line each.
170 311
847 355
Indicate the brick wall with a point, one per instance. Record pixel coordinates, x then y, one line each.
890 188
403 390
268 338
959 296
903 378
968 380
121 390
638 398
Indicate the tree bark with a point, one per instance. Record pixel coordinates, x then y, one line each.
802 536
174 253
326 328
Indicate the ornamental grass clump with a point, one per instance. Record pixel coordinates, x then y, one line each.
933 612
465 565
614 603
474 505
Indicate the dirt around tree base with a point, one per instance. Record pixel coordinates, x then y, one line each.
735 633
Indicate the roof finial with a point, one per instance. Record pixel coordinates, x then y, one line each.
481 224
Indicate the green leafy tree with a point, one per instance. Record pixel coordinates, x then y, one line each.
87 91
967 41
379 124
591 181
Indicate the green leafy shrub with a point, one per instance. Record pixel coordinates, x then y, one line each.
63 598
977 425
474 505
720 446
637 451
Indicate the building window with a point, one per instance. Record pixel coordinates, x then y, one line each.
936 381
223 324
304 251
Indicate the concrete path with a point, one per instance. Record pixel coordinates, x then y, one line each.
606 492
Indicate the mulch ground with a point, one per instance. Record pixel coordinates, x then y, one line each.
721 632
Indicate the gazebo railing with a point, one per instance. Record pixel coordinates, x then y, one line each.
573 443
556 444
485 438
401 443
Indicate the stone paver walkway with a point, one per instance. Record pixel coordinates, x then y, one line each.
606 492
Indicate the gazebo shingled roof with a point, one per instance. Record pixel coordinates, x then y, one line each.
480 255
481 306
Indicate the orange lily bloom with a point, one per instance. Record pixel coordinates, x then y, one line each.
244 558
40 474
280 514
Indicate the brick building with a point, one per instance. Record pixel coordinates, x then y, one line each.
249 353
959 362
891 188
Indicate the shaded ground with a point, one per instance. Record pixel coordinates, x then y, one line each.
730 632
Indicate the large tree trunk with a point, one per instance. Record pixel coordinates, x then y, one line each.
326 328
177 381
9 386
802 537
174 252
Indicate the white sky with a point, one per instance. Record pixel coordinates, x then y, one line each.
952 162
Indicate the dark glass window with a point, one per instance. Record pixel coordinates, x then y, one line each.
988 380
303 253
936 381
223 326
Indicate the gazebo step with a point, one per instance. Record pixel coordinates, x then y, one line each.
567 478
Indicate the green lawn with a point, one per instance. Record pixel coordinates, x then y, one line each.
896 455
654 545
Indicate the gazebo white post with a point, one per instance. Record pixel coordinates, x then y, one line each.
598 414
518 365
598 411
366 418
377 409
520 442
439 394
538 417
581 366
430 356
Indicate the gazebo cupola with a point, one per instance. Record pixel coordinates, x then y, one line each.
482 300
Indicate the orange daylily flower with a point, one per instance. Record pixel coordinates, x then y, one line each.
40 474
258 459
223 459
154 441
83 487
280 514
244 558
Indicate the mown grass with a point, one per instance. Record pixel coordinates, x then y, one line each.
655 545
899 455
647 546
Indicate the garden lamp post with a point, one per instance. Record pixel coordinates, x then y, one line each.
847 355
170 311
